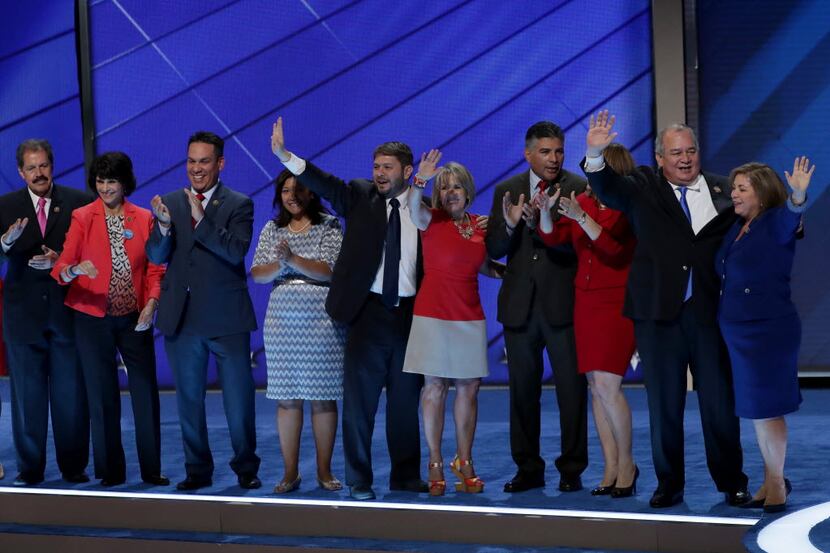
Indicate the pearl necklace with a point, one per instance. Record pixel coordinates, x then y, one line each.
299 230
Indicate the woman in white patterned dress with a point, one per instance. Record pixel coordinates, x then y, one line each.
303 346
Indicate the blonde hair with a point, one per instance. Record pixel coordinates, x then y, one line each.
461 174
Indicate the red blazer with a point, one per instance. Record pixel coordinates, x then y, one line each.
604 262
87 238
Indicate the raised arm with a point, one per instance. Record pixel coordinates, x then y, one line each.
427 169
612 189
788 220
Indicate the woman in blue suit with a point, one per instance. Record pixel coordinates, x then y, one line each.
757 318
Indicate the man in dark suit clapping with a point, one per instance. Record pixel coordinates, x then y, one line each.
375 298
535 306
203 233
680 216
37 326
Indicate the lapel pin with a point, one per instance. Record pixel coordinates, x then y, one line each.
129 219
57 209
128 233
717 189
215 202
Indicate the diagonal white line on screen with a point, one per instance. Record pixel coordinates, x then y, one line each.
195 92
325 25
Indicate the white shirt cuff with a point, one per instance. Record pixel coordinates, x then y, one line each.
594 164
295 164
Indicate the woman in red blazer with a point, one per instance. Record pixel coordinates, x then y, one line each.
114 290
604 245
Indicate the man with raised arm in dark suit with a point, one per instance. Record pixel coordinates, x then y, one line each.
375 298
680 216
203 233
535 306
38 328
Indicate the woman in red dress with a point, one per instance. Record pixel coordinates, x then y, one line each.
448 338
604 245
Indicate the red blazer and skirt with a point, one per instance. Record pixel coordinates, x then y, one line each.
604 338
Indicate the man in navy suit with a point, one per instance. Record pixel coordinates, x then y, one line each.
37 326
680 216
203 233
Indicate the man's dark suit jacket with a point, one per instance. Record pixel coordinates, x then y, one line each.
207 263
533 269
362 250
666 245
32 300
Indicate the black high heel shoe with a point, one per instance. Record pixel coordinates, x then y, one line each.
759 503
604 490
628 491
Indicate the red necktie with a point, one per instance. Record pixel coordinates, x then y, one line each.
201 198
542 185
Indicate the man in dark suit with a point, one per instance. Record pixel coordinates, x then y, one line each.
680 216
38 328
375 298
535 306
203 233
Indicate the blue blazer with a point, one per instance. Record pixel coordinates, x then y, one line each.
206 263
755 270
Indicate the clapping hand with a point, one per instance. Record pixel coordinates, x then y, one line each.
599 133
284 252
278 142
543 204
799 180
14 231
512 212
570 208
197 212
85 268
145 318
160 210
46 260
481 222
428 166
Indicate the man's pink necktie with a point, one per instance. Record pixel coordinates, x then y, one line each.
41 215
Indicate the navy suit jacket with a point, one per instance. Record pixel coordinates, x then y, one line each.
755 270
32 300
207 264
667 247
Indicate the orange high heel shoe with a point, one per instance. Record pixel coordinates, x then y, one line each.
472 484
437 487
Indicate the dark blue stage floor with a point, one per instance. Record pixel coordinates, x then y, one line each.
806 464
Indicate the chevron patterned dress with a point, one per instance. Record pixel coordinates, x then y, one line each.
303 346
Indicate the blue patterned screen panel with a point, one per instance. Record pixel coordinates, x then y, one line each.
39 88
468 77
765 96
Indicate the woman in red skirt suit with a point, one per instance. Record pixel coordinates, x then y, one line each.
604 245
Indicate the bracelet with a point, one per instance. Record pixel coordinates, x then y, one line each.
419 182
582 218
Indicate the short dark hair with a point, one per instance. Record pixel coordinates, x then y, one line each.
314 209
112 165
765 181
397 149
543 129
34 145
207 137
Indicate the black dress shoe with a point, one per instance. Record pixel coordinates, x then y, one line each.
414 486
522 483
193 483
156 480
249 481
109 482
737 498
361 493
604 490
665 498
570 484
76 478
627 491
25 480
